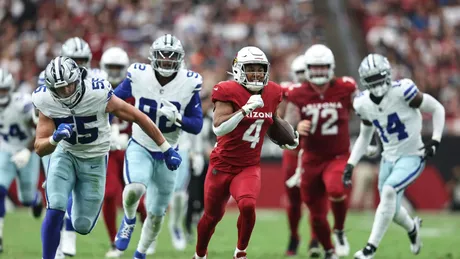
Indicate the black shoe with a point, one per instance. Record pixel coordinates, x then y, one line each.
37 210
329 254
314 251
1 244
292 247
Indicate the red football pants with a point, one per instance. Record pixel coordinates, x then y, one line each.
218 186
321 182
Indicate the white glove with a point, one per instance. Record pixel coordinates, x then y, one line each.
372 151
21 158
197 164
294 180
114 136
170 111
254 102
293 146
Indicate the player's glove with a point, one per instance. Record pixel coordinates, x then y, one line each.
347 173
197 164
293 146
171 112
372 151
118 141
21 158
254 102
63 131
172 159
430 148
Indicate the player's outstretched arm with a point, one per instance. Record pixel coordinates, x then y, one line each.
127 112
44 145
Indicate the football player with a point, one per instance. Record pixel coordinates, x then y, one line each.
324 102
235 161
169 95
393 108
17 159
74 126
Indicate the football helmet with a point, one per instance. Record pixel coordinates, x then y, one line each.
320 64
375 74
298 68
6 86
248 56
115 62
64 72
78 50
166 55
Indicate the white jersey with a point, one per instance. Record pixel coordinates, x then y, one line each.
16 131
149 93
91 135
398 125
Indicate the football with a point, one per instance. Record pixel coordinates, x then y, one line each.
281 132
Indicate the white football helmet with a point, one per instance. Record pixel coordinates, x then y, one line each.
78 50
298 68
319 55
6 85
375 74
61 72
115 62
166 55
246 56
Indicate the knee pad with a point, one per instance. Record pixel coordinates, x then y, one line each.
336 192
388 193
247 205
57 202
82 225
133 192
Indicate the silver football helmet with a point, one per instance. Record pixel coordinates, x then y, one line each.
78 50
375 74
166 55
63 79
248 56
6 86
115 63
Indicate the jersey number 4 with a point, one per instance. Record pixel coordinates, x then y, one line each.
252 134
394 126
328 127
81 134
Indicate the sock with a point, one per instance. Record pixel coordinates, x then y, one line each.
339 210
294 212
150 231
177 209
322 230
313 237
199 257
68 221
238 251
403 219
109 212
205 229
51 232
246 221
131 196
38 198
384 215
142 210
3 193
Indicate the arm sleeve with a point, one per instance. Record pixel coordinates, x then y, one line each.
360 147
192 121
431 105
228 125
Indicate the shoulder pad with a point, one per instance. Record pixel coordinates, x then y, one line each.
405 89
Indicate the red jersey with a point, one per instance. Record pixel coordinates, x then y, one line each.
124 126
329 114
241 147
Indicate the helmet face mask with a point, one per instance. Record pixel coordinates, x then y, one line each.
375 74
7 85
320 64
166 55
251 68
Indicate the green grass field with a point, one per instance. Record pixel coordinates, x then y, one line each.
440 232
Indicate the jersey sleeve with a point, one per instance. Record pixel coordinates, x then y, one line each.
358 106
41 79
104 93
406 89
39 102
219 93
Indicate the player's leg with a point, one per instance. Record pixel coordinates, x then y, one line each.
138 169
294 209
313 193
216 195
60 181
8 171
159 192
113 188
195 204
245 188
178 203
27 181
337 195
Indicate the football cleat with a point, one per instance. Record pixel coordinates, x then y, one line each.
138 255
124 233
240 255
1 245
330 254
414 236
152 248
292 247
367 252
199 257
177 238
113 252
37 209
59 253
69 242
342 247
314 251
